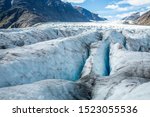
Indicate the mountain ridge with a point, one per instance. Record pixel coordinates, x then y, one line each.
138 18
90 16
25 13
144 19
133 16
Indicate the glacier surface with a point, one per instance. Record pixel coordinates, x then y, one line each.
56 59
99 61
51 89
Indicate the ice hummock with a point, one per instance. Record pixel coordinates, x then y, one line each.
55 59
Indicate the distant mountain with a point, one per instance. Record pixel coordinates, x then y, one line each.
132 17
89 15
23 13
144 19
141 18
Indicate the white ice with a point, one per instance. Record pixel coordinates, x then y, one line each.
56 59
95 60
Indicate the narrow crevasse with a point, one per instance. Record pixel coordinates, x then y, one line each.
98 64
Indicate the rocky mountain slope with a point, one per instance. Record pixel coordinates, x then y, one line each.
138 18
90 16
75 61
24 13
144 19
132 17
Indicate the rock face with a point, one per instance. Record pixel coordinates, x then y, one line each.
75 61
144 19
23 13
90 16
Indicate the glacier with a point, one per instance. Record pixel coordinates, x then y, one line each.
136 64
12 38
129 72
67 61
55 59
97 62
51 89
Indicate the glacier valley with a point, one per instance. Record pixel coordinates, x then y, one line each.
75 61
